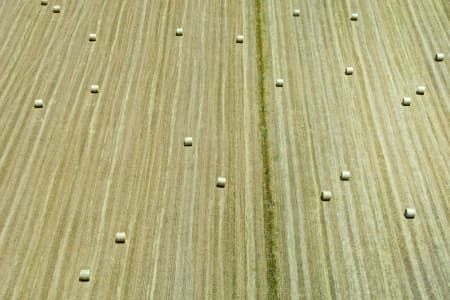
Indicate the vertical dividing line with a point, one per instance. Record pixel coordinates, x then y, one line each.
268 202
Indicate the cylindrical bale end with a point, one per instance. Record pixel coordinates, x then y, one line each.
95 88
410 213
188 141
439 57
56 9
44 2
38 103
120 237
354 17
349 71
179 32
345 175
325 196
296 12
240 39
221 181
279 83
420 90
85 275
406 101
92 37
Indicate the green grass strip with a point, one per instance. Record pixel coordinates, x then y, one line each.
269 205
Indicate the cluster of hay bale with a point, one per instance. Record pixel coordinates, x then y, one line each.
326 195
85 274
406 101
120 237
55 9
221 180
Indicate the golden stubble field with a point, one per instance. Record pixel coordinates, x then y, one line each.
86 166
321 122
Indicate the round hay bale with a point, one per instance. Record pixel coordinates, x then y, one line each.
188 141
325 196
296 12
221 181
345 175
56 9
240 39
420 90
439 57
92 37
85 275
94 88
38 103
354 17
44 2
349 71
410 213
120 237
179 31
279 83
406 101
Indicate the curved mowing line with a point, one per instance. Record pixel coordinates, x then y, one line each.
268 203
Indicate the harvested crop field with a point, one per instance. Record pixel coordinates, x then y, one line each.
83 164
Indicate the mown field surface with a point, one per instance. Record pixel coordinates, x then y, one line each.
86 165
359 245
